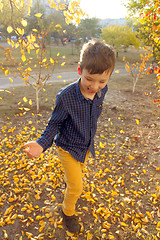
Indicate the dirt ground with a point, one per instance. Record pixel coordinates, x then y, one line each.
121 197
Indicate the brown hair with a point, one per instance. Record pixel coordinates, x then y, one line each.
97 56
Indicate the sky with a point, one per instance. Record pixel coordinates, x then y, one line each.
104 8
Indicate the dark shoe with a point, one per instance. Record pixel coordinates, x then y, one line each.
71 222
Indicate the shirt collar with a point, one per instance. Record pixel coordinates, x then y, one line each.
79 94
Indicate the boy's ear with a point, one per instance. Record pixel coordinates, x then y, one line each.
79 69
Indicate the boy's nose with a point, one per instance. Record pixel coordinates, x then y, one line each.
95 87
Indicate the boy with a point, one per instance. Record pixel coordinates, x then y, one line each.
74 122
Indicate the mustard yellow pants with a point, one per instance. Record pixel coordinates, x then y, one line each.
73 178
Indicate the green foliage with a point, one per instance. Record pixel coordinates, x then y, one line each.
119 36
89 28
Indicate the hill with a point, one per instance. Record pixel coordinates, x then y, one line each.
109 21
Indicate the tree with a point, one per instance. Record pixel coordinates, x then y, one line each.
147 21
89 28
138 69
32 42
119 36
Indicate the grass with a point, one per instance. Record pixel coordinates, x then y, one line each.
71 53
68 53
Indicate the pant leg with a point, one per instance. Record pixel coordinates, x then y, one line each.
73 177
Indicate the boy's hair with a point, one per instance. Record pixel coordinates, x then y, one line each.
97 56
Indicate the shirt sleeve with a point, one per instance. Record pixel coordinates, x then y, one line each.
58 116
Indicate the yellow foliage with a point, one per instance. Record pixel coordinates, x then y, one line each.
38 15
9 29
24 22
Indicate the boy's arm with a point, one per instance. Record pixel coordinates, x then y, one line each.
45 141
58 116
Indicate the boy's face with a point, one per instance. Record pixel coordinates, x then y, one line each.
90 84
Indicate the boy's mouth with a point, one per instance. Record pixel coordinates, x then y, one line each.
91 91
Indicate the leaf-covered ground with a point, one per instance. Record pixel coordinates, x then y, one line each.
121 197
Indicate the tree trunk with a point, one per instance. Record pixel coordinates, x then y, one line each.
117 54
134 83
37 99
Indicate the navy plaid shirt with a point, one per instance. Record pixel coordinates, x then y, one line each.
73 123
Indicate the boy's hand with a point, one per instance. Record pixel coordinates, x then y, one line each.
33 150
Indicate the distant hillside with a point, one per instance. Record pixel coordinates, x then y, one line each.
109 21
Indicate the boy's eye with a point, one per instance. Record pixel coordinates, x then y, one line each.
89 79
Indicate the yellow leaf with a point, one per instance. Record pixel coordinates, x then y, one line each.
85 208
29 235
6 72
9 210
124 224
130 157
9 29
102 145
24 23
38 15
20 31
30 102
5 234
44 60
25 99
89 236
14 216
23 58
121 131
99 210
51 60
62 64
58 54
106 225
111 237
21 216
11 199
58 25
117 71
150 215
53 197
17 45
37 51
70 234
59 76
27 109
11 80
126 216
38 217
137 121
41 228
